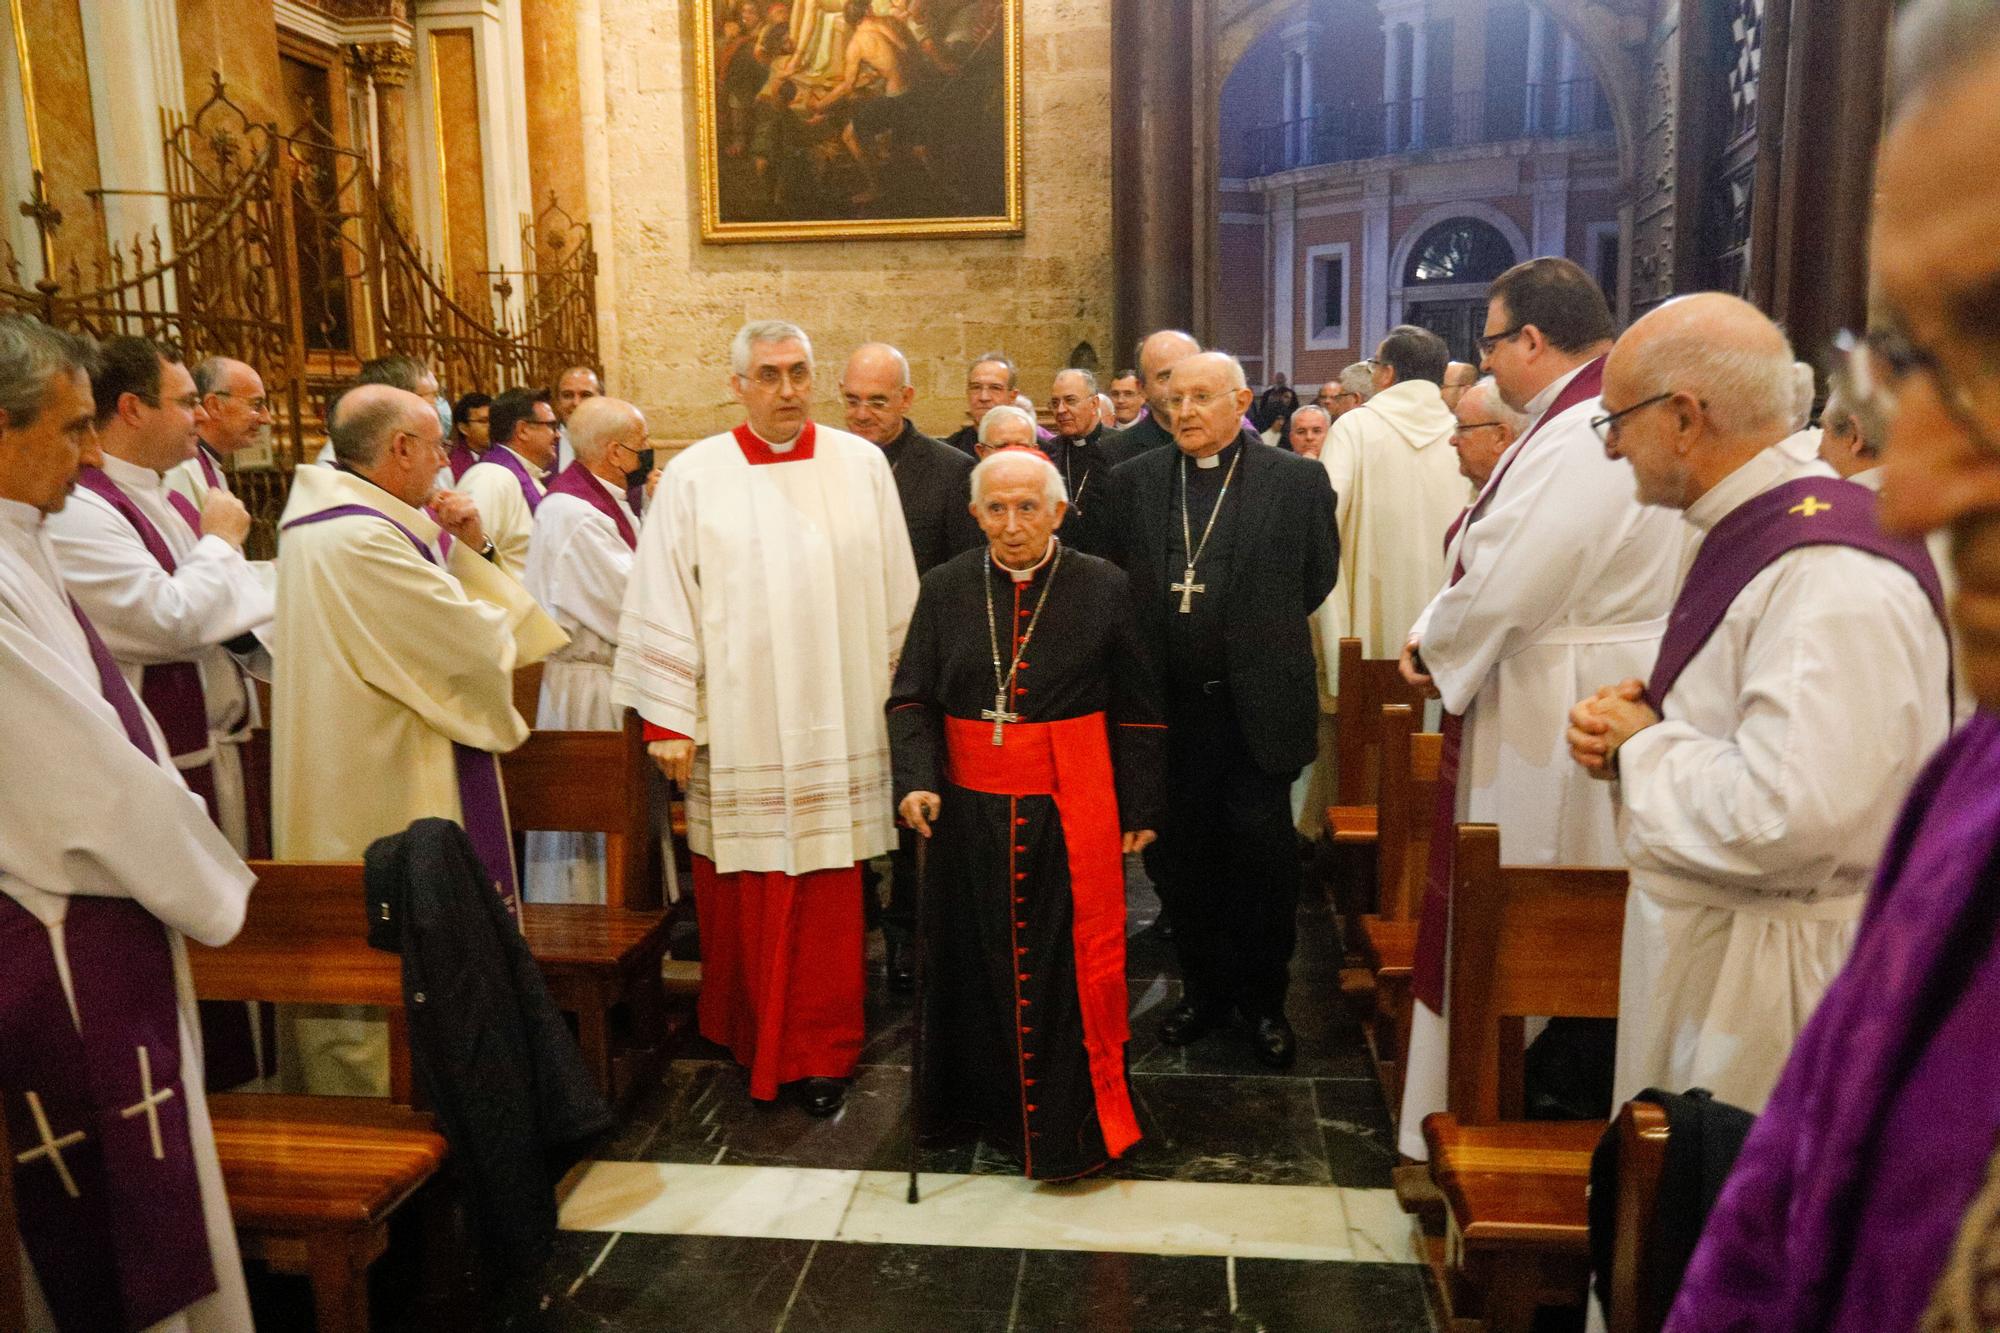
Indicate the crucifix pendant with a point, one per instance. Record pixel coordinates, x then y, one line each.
1187 588
998 716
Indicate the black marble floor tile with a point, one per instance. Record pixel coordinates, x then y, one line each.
1330 1043
851 1288
1122 1293
1248 1131
1278 1295
659 1283
1360 1138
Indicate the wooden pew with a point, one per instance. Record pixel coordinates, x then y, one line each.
528 692
1640 1294
313 1181
599 961
1526 941
1367 685
1387 940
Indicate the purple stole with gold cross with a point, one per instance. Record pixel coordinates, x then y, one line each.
97 1118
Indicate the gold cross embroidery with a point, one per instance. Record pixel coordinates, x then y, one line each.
149 1102
51 1146
1811 506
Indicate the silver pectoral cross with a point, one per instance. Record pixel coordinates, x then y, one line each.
998 716
1187 588
149 1102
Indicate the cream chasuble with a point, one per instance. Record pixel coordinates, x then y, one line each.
88 814
1568 581
1396 489
147 616
1752 815
764 617
503 509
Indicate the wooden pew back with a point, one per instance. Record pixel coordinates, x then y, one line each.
1367 685
528 692
1408 793
1527 941
591 782
1640 1293
305 941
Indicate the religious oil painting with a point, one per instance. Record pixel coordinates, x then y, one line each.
836 119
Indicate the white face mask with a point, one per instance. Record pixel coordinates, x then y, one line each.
443 406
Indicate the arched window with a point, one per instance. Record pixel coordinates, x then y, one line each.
1458 250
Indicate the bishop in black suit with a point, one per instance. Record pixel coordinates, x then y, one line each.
1230 547
1085 453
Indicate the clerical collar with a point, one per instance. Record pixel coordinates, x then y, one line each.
1216 459
773 445
130 475
1025 575
1540 402
535 470
1763 471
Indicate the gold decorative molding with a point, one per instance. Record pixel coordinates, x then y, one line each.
27 85
388 64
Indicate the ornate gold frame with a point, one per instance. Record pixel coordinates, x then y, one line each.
714 230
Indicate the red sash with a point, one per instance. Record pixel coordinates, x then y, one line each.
172 690
1070 761
1434 923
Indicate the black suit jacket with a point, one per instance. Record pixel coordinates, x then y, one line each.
965 439
1089 525
933 481
1283 563
1143 434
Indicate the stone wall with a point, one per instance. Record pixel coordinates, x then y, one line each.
675 302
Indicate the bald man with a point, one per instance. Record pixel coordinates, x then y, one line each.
576 386
1084 452
1157 355
1458 377
238 411
397 692
876 395
1803 679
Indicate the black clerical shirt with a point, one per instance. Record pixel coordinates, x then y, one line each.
1198 643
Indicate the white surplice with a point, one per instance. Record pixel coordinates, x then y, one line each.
1568 581
578 567
188 478
1397 488
1753 814
503 509
764 618
147 616
384 661
88 813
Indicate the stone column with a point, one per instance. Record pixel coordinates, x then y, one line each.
1392 88
1419 77
1538 61
1573 97
387 65
1152 173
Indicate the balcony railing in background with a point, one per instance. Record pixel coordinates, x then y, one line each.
1357 132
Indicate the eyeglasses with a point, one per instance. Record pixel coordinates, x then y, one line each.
1468 427
770 377
1606 425
1878 363
1200 400
257 404
876 404
1488 341
546 423
187 402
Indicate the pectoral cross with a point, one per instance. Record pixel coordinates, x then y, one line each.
998 716
149 1102
1812 507
51 1146
1187 588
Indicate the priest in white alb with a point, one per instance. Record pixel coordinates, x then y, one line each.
165 582
767 607
1803 681
397 638
106 861
1556 581
579 561
1396 488
507 483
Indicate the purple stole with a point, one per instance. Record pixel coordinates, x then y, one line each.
1433 926
172 690
482 808
1812 511
203 456
502 456
97 1120
577 480
461 459
1809 1217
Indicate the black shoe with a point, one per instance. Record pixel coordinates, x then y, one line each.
1185 1024
1163 926
902 969
1274 1043
822 1096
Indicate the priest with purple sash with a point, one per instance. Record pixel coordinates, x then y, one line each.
578 565
1804 677
510 478
1864 1197
106 860
396 691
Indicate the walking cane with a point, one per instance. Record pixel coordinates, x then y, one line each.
917 1052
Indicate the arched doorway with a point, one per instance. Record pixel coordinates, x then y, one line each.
1444 280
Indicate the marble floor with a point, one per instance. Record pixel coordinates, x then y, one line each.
1257 1200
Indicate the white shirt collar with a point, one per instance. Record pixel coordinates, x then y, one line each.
1540 402
1763 471
1024 575
1872 478
617 493
130 475
773 445
534 470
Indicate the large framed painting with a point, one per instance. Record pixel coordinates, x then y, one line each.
836 119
